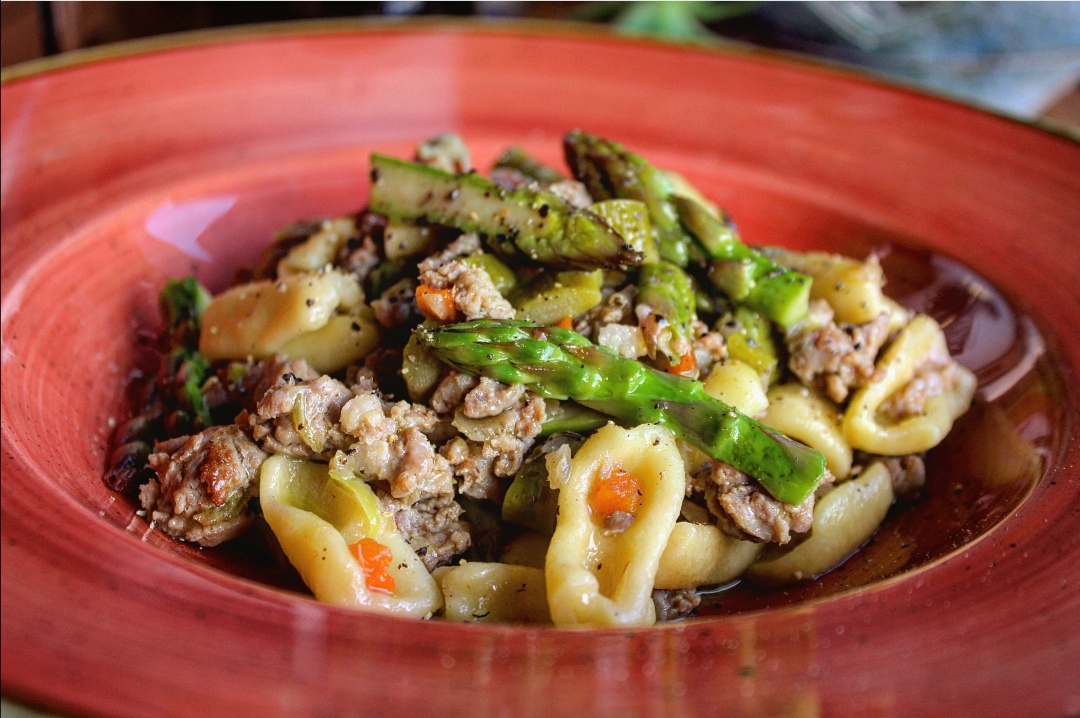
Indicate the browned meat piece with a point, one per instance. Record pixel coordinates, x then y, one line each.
300 418
675 603
465 245
493 448
451 391
746 511
616 308
491 398
475 295
709 347
275 371
390 443
908 473
397 305
360 253
359 256
835 358
935 374
204 485
433 527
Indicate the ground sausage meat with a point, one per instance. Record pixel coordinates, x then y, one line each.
432 526
615 308
451 391
835 357
709 347
390 443
275 371
397 305
672 604
907 473
491 398
493 448
359 257
203 486
300 418
475 295
465 245
936 374
744 510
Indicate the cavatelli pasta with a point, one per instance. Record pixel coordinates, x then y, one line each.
600 577
317 517
493 592
865 425
843 520
262 318
806 416
458 350
702 555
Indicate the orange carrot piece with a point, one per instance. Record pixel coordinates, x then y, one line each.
375 560
437 304
618 491
686 366
565 323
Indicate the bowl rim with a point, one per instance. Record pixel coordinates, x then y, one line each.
333 27
542 27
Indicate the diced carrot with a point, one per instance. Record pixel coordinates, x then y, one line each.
686 366
618 490
437 304
565 323
375 560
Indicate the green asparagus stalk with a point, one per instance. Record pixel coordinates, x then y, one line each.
561 364
519 223
518 159
748 335
745 275
570 417
609 171
182 303
669 292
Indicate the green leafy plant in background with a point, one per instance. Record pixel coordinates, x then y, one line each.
684 21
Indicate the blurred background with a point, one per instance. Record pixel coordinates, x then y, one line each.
1018 58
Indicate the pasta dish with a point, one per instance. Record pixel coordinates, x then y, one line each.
534 396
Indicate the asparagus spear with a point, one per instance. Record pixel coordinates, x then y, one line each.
561 417
669 292
684 227
538 225
561 364
182 304
745 275
609 171
178 385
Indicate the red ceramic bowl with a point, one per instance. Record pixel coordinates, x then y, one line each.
135 166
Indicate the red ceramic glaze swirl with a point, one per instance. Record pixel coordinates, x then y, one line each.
123 171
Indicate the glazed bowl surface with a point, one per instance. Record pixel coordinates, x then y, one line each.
138 165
